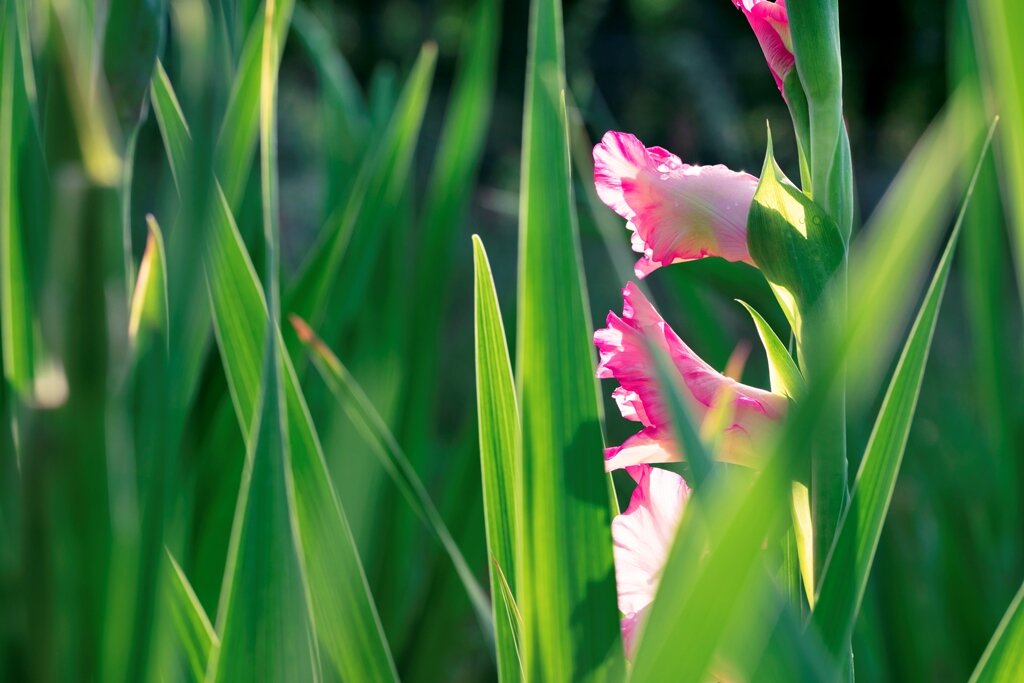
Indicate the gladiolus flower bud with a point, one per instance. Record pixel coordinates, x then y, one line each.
771 26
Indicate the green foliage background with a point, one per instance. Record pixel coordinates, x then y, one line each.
195 499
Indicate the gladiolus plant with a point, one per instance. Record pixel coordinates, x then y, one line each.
240 439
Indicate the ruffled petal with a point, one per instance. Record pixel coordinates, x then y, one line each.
625 348
643 536
647 445
677 212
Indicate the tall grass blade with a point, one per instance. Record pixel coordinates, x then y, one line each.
264 618
346 619
849 564
499 428
996 27
360 410
149 296
565 581
237 140
15 294
1003 659
346 121
171 120
452 183
899 240
381 181
193 627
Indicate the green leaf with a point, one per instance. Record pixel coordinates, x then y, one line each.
171 120
1003 659
1002 60
783 373
149 297
452 184
264 614
896 252
565 579
237 140
360 410
345 119
191 623
346 619
133 38
262 619
499 428
381 181
793 241
15 296
712 571
849 563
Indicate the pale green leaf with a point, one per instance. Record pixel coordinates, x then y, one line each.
498 416
1003 659
193 627
783 373
15 297
360 410
565 581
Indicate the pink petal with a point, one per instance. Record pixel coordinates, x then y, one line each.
647 445
643 536
625 355
677 212
631 626
771 27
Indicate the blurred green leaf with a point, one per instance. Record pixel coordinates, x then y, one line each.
899 239
132 39
346 121
499 428
360 409
171 120
381 181
849 563
16 317
709 574
237 140
1003 659
264 615
1002 58
564 575
452 185
149 297
346 620
193 626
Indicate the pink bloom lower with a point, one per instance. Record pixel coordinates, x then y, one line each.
643 536
625 347
677 212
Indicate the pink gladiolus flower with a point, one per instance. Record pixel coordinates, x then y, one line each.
643 535
677 212
626 356
771 26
